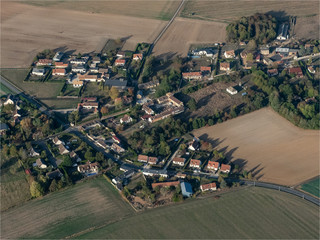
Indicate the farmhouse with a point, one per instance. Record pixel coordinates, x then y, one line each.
125 119
44 62
58 56
137 57
212 165
179 161
192 75
120 62
225 168
194 163
61 65
143 158
229 54
165 184
225 66
283 32
209 186
38 71
186 189
231 90
89 169
59 72
40 163
296 71
205 69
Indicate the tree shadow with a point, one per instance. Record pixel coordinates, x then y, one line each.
205 100
279 15
214 142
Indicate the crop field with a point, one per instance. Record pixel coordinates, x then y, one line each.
162 10
184 32
27 32
268 145
250 213
60 214
312 187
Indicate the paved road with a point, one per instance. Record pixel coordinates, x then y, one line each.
307 57
171 158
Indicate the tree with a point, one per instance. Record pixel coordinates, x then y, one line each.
13 151
74 117
223 184
67 161
252 45
192 104
53 186
114 93
99 157
36 189
249 57
88 155
249 176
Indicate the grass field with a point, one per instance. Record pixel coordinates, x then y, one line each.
4 90
312 187
269 146
92 90
248 213
162 10
60 214
13 183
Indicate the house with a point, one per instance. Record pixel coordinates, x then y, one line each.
115 147
242 43
79 69
87 77
89 105
89 169
137 57
77 84
225 66
283 32
115 139
155 172
44 62
143 158
282 51
272 72
192 75
57 141
120 84
148 85
120 62
194 145
38 71
58 56
249 65
203 52
258 58
147 109
59 72
293 52
165 184
145 117
265 50
54 174
212 165
40 163
231 90
205 69
127 99
79 61
33 153
96 60
10 100
178 161
194 163
126 119
209 186
63 150
74 156
61 65
3 129
102 144
296 71
174 100
121 54
181 175
186 189
225 168
122 179
229 54
153 160
311 69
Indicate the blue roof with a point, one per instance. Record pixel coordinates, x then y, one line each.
186 189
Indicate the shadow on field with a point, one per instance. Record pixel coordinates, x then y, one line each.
205 100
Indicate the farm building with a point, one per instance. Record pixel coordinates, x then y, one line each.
186 189
38 72
283 32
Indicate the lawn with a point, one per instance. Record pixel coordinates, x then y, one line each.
60 214
248 213
312 187
14 185
92 90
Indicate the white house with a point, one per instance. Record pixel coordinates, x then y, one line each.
231 90
126 119
40 163
58 56
38 72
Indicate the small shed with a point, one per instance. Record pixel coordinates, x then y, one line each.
186 189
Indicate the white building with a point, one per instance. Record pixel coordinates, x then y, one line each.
232 91
38 72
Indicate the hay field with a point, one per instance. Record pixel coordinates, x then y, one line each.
184 32
162 10
251 213
60 214
24 33
268 145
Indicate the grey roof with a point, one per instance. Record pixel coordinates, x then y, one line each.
3 126
116 83
186 189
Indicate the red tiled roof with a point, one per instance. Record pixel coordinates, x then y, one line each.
189 74
204 69
153 160
208 186
225 64
123 61
195 162
295 70
143 158
57 70
45 61
225 167
176 159
213 164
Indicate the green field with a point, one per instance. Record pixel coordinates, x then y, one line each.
46 92
92 90
249 213
4 90
312 187
86 205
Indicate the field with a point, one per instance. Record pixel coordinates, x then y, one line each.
13 183
184 32
257 214
60 214
220 11
268 145
162 10
25 33
92 90
312 187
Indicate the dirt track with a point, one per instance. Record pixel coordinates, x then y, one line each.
24 33
267 144
183 32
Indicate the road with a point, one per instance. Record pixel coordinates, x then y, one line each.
171 158
306 57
